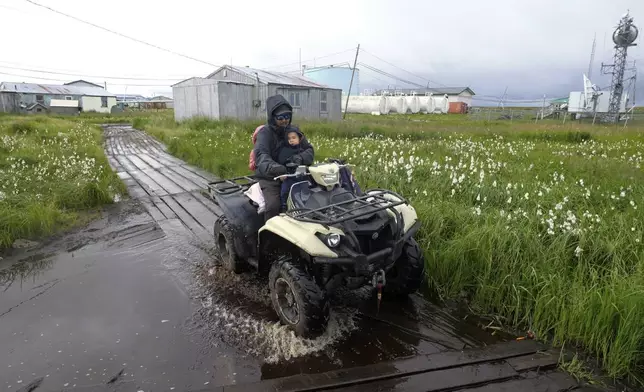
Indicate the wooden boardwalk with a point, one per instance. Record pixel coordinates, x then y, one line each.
524 366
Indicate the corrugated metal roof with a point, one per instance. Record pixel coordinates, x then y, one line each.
435 91
270 77
56 89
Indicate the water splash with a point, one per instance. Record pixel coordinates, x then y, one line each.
269 339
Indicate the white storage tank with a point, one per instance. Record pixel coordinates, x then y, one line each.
441 104
397 104
413 104
366 104
426 103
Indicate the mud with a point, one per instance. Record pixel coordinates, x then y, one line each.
137 300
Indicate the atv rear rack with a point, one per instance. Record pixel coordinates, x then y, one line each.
231 185
338 212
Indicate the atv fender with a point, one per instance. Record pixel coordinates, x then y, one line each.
300 234
408 212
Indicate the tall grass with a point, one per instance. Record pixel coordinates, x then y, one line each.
540 224
50 171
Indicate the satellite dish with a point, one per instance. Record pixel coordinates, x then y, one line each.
625 34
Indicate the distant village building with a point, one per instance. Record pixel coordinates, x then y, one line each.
454 94
241 92
81 96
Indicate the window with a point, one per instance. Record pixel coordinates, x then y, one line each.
103 102
40 98
68 98
323 108
225 73
295 99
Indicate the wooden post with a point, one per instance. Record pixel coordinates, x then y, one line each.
355 62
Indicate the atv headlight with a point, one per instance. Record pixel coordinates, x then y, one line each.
331 240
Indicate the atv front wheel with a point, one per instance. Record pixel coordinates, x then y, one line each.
406 276
298 301
225 244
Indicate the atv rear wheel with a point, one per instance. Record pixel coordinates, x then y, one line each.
225 245
407 274
298 301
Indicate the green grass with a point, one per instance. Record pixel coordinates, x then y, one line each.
52 172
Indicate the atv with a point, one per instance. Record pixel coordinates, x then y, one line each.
331 235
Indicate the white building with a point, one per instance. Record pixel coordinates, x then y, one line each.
87 97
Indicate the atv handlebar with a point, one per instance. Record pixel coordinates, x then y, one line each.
302 173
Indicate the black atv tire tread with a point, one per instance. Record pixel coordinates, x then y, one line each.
232 263
411 271
313 304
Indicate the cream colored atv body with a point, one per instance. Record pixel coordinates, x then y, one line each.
331 235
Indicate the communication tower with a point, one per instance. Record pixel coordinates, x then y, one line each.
624 36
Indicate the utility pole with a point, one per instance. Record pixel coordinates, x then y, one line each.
301 70
355 62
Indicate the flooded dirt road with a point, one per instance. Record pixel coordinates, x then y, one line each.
136 301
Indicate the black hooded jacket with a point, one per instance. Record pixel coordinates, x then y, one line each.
271 139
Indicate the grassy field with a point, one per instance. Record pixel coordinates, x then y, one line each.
539 224
52 172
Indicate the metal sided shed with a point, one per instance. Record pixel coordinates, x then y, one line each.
310 100
215 99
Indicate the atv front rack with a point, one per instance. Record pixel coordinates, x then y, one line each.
231 185
335 213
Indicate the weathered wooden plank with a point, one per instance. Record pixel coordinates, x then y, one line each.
156 214
138 162
163 181
127 165
203 215
180 180
208 177
554 382
207 202
148 184
150 161
194 177
407 367
440 380
134 189
539 360
160 204
186 219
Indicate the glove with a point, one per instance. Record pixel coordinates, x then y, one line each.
297 159
278 170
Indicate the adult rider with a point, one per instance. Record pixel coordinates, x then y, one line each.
270 139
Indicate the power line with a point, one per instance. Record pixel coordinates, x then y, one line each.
404 70
381 72
85 76
59 80
313 59
121 35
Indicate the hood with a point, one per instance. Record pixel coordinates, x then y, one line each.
272 103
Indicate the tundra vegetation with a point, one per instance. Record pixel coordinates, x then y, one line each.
53 174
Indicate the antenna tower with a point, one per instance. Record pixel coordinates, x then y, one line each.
624 36
592 57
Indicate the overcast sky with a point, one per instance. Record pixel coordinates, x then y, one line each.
530 47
